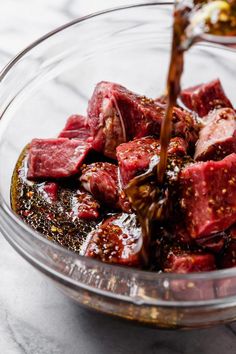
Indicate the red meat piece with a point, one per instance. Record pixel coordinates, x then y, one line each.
117 115
179 261
49 190
101 180
56 158
213 243
76 128
84 206
205 97
134 157
105 120
209 196
218 138
118 240
184 125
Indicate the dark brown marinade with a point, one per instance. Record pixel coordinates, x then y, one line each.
155 203
52 219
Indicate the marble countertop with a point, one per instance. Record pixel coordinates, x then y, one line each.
35 318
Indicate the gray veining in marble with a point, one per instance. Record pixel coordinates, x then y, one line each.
34 317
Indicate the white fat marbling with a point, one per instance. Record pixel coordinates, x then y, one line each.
34 317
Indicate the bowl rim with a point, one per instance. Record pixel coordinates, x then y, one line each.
145 275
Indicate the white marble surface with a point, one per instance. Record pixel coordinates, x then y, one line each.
34 317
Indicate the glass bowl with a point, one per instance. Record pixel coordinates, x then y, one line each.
53 78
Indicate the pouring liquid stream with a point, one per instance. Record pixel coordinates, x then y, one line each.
194 21
173 90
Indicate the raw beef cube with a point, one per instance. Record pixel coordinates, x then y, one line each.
105 120
56 158
177 147
101 180
76 128
117 115
209 196
84 206
49 190
134 157
117 240
205 97
218 138
174 259
185 126
179 261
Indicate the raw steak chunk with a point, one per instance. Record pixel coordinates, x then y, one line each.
218 138
117 115
205 97
76 128
49 190
117 240
101 180
209 196
105 120
56 158
179 261
84 206
134 157
184 125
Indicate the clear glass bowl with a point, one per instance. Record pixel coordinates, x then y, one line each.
53 78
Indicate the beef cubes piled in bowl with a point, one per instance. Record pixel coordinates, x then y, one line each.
101 154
